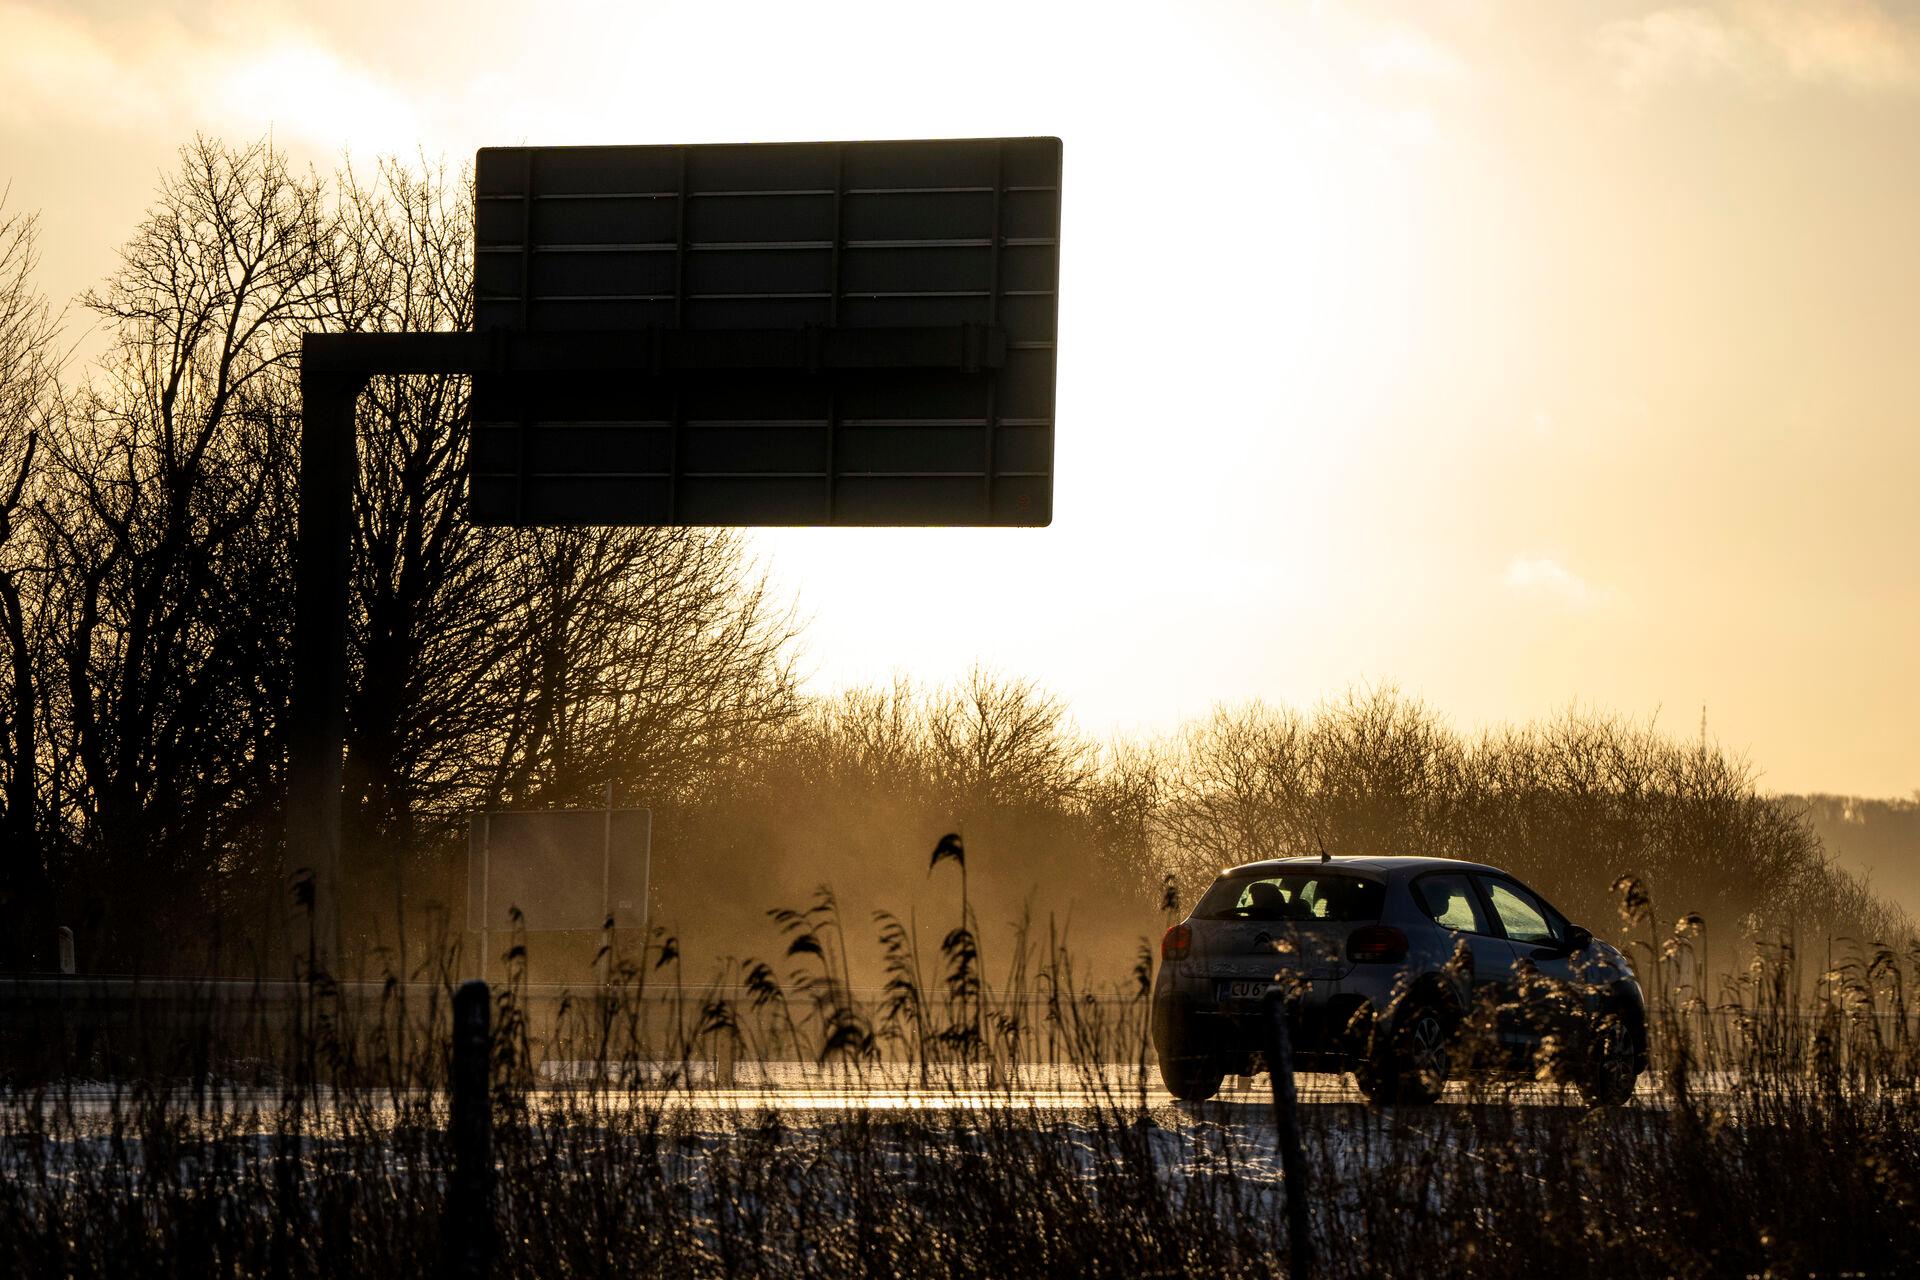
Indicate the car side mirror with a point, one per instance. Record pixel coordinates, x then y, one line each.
1578 938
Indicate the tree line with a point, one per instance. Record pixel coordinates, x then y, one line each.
1107 835
147 515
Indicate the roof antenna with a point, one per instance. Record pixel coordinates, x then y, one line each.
1324 855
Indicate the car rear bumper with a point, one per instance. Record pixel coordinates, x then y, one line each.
1328 1026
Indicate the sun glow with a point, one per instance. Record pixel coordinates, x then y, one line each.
1363 306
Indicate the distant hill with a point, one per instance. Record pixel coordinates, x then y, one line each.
1878 839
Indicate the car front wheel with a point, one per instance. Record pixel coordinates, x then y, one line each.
1612 1064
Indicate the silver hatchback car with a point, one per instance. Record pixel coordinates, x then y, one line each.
1404 971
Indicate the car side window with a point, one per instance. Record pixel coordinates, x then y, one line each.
1521 914
1451 901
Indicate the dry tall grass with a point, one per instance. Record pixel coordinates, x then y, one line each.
652 1126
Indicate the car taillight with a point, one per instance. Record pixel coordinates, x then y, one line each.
1177 942
1377 943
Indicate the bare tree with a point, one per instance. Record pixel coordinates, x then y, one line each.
422 628
28 399
872 737
1125 790
647 657
488 667
1385 771
1239 787
172 529
1004 742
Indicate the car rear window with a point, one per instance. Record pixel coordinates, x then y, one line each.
1294 895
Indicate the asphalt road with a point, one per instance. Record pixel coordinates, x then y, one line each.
801 1088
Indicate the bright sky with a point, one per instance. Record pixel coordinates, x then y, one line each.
1523 354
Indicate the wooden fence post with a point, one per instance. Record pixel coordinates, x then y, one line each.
1286 1123
467 1229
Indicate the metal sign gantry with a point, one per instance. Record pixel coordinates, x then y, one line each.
821 333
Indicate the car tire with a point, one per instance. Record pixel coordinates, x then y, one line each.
1411 1067
1613 1062
1191 1077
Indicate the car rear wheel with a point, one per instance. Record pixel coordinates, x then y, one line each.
1191 1077
1412 1066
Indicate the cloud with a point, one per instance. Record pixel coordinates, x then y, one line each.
1543 577
306 89
1403 52
54 67
1766 44
253 68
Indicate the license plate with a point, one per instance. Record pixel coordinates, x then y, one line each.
1243 989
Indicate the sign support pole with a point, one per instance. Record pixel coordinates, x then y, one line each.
316 717
334 369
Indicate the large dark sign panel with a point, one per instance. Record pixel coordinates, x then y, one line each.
852 333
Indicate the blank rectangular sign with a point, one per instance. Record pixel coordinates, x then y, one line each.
561 868
839 333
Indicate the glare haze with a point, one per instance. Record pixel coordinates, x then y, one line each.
1523 355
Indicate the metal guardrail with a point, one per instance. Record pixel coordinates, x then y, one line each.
51 1023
